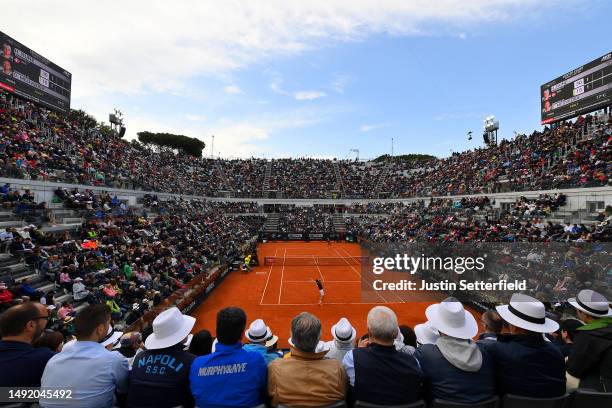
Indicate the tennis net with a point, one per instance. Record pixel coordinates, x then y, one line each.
315 260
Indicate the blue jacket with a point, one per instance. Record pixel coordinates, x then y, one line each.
527 366
269 356
229 377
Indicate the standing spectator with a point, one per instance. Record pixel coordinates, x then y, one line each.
231 376
591 357
377 372
526 364
260 338
492 325
21 365
455 363
306 378
160 375
344 335
93 373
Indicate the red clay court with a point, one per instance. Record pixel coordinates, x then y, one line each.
276 293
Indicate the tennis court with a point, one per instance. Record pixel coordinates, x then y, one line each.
286 287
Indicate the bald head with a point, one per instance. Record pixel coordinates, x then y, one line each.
382 325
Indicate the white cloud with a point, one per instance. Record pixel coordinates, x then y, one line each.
143 46
308 95
233 89
369 128
194 118
462 36
340 82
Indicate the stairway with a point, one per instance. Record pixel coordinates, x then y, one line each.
338 222
271 224
339 184
266 182
226 186
384 173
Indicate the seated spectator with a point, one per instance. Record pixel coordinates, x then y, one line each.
65 310
567 329
98 374
79 291
51 339
7 298
492 325
455 363
160 374
231 376
409 336
130 344
260 338
306 378
377 372
526 364
21 365
426 334
201 343
344 335
591 357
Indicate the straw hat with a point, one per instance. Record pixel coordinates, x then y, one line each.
592 303
451 318
527 313
343 331
169 328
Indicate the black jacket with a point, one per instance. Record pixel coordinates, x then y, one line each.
528 366
591 358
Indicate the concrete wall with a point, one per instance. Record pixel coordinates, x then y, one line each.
577 197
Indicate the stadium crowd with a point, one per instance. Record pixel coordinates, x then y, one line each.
42 145
522 348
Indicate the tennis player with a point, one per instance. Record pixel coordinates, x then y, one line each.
321 290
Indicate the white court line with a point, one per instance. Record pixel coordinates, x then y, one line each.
327 281
280 291
268 280
327 303
319 269
357 272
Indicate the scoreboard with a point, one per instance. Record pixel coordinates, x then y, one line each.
29 75
582 90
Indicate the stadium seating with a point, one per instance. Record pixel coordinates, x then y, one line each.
515 401
361 404
590 399
490 403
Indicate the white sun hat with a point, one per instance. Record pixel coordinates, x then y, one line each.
112 337
258 332
527 313
426 334
451 318
321 346
170 327
592 303
343 331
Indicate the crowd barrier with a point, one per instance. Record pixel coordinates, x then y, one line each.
303 236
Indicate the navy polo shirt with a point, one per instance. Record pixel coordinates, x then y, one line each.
22 365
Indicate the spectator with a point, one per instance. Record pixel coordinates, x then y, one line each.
567 334
306 378
51 339
130 344
377 372
230 376
21 365
160 375
97 374
79 291
408 335
65 311
492 325
426 334
455 363
591 357
526 364
260 339
344 335
201 343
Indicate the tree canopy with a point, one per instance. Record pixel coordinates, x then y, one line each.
185 144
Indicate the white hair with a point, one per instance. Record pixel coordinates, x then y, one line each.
382 323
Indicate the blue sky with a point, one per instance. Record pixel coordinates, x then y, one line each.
317 78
